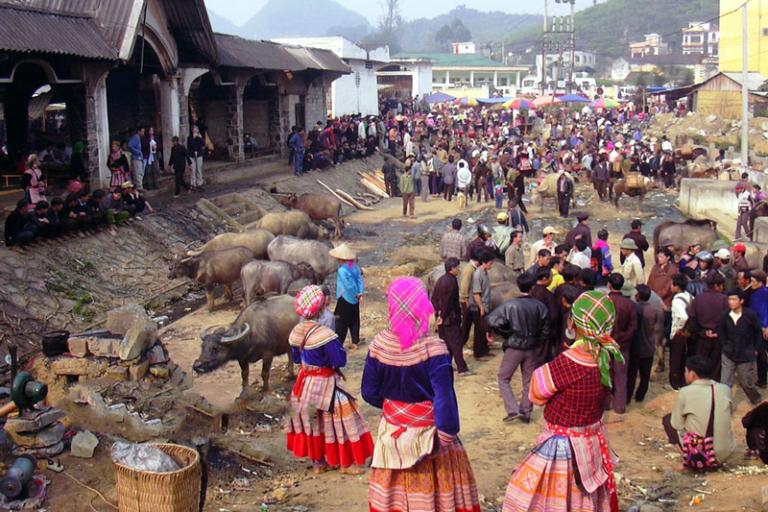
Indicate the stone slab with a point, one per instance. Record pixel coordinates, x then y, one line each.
78 347
121 319
104 347
139 337
138 371
78 366
33 422
44 438
40 453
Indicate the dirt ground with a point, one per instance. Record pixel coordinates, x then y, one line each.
391 246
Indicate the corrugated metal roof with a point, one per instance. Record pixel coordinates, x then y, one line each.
191 27
754 79
238 52
21 30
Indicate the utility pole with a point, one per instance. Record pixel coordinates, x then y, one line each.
573 46
744 87
544 48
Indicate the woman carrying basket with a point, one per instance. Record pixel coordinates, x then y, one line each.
325 424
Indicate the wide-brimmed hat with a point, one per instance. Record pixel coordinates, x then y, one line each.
549 230
343 252
629 244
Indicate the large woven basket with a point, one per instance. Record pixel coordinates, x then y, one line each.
147 491
635 180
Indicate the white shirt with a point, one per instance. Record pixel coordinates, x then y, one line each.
580 259
464 175
680 304
666 145
632 270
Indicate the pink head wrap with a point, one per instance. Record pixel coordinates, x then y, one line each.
409 310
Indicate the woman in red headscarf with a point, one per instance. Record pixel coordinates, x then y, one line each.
419 464
325 424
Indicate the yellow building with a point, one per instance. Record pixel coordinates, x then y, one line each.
731 35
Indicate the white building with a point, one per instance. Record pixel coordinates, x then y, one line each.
581 59
463 48
358 91
406 77
702 38
653 44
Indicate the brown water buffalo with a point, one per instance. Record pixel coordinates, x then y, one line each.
547 189
620 188
293 222
262 277
259 333
256 240
682 234
293 250
503 292
212 268
318 207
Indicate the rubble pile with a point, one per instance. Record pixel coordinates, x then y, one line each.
122 373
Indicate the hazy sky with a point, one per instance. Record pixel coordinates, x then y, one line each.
239 11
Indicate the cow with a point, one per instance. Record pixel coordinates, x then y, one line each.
292 250
256 240
262 277
318 207
212 268
259 333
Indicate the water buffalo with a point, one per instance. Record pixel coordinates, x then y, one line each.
318 207
293 250
212 268
261 277
759 210
682 234
620 188
293 222
256 240
547 189
499 273
503 292
259 333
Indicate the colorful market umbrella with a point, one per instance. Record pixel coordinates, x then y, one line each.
520 104
439 97
573 98
545 101
468 102
605 103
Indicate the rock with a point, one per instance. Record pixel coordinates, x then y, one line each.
140 336
116 373
104 347
40 453
161 372
78 366
157 355
138 371
33 422
78 347
48 436
83 444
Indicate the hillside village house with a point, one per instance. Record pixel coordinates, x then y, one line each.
356 92
653 44
112 66
701 38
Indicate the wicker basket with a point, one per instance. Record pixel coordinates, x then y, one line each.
635 180
146 491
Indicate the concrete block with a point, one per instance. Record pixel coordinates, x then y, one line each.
139 371
104 347
78 346
120 320
84 444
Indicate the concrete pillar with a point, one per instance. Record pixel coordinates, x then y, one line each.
447 78
235 123
471 78
495 78
517 80
170 112
97 128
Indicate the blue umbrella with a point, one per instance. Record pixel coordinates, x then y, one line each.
573 98
439 97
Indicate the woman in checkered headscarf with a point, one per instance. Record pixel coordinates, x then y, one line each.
325 424
572 466
418 464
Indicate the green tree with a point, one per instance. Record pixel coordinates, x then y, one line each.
444 38
460 31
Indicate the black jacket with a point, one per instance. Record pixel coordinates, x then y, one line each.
14 224
523 321
741 340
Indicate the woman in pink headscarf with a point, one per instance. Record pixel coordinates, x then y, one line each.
419 464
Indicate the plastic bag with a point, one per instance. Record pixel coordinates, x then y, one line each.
143 457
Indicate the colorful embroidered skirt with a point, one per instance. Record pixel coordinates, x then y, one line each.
442 482
340 437
546 481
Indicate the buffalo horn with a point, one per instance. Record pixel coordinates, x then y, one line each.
205 332
237 337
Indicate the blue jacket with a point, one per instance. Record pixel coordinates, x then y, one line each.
758 302
134 146
349 283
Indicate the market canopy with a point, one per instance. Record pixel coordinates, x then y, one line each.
438 97
520 104
605 103
492 101
545 101
573 98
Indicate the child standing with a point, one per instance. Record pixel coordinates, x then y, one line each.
498 194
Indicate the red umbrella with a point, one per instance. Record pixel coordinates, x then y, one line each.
520 104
